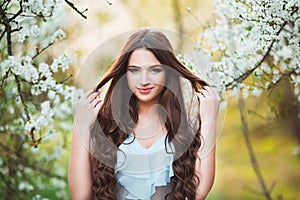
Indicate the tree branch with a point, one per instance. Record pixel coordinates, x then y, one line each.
18 13
39 52
5 2
22 98
76 9
2 34
66 79
5 21
34 142
250 150
280 79
16 29
5 77
241 78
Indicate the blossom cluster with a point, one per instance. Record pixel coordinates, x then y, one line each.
41 77
41 80
36 106
40 7
253 38
35 31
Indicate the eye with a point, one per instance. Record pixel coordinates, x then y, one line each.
156 69
133 70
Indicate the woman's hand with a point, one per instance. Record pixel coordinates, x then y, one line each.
87 110
205 166
79 175
209 109
209 105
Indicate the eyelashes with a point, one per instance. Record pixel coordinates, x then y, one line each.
156 70
153 70
133 70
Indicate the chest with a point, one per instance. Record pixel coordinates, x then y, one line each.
148 136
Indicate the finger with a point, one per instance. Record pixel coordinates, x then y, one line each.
214 93
208 89
204 92
87 94
95 102
92 96
98 106
200 96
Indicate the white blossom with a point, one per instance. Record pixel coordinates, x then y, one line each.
58 35
25 186
35 31
6 64
30 74
245 92
34 150
46 109
29 126
44 70
68 92
57 182
45 8
50 82
285 52
62 62
77 94
60 171
62 110
256 92
61 194
51 94
22 36
295 78
43 118
11 109
234 92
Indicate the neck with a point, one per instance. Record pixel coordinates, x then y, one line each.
150 112
150 123
149 108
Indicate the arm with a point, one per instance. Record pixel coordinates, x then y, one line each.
205 169
79 174
205 164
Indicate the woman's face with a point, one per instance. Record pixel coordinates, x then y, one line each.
145 75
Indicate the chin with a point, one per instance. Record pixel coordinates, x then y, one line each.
145 99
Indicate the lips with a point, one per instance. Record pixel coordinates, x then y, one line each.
145 90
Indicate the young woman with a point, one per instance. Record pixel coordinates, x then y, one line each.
140 141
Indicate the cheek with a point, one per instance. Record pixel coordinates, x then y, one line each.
160 79
131 81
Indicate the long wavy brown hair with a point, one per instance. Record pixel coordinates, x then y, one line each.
119 100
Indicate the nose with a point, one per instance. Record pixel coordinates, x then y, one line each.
144 78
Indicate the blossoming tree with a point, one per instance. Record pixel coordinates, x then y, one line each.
257 40
255 46
35 92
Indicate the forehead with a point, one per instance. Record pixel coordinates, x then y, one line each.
142 57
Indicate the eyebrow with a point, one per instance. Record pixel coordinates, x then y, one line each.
150 66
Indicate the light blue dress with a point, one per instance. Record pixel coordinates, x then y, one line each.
143 172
